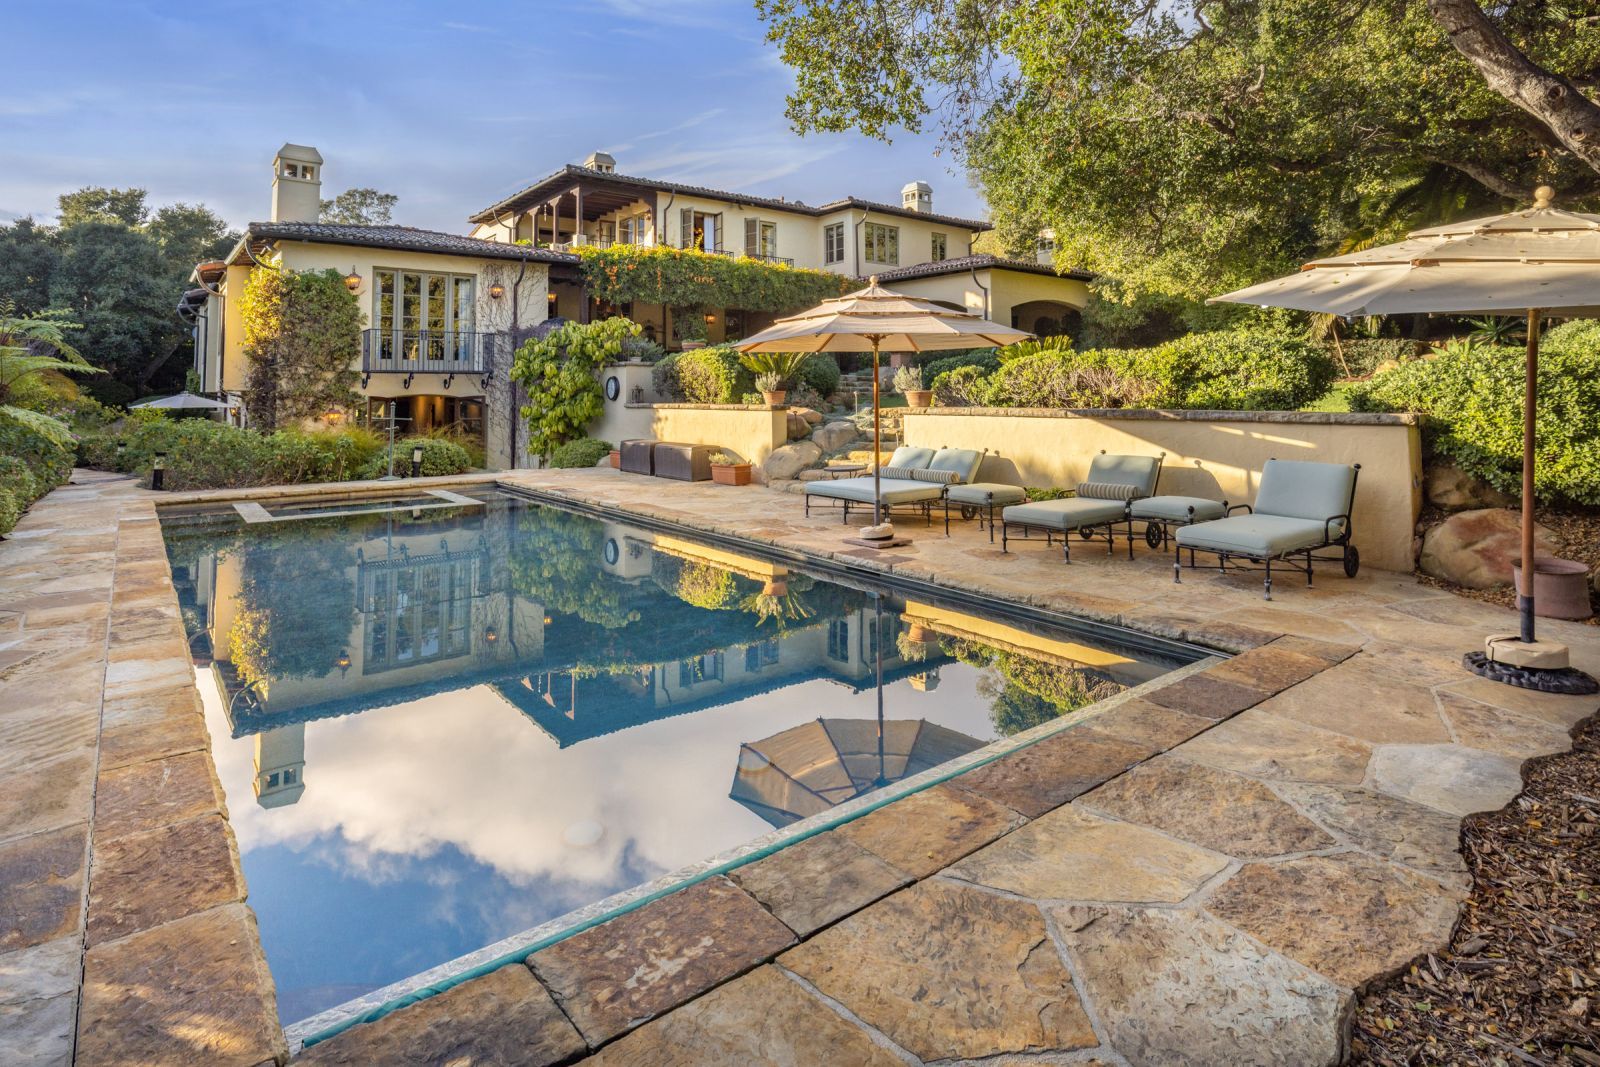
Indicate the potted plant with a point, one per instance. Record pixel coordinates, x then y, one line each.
771 387
774 372
616 458
691 326
729 470
908 382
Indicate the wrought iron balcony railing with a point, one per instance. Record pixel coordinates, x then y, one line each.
414 352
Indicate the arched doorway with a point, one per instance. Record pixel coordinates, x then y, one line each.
1048 318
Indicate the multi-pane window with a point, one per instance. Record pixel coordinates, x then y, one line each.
839 640
1045 246
940 249
833 243
706 668
701 229
882 243
423 316
634 230
760 239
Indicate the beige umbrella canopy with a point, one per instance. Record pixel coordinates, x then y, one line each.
876 320
1542 262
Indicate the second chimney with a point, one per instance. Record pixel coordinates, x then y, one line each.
917 196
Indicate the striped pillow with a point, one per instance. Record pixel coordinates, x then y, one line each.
904 473
941 477
1107 491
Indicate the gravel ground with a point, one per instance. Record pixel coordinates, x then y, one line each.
1520 982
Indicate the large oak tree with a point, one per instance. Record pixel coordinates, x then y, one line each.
1188 147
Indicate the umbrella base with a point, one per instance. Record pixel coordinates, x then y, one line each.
890 542
1562 680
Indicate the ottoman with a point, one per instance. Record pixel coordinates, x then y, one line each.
1161 513
980 498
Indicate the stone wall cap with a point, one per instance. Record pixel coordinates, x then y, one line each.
713 407
1337 418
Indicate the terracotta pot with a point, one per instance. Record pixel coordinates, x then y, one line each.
776 587
775 398
690 346
919 398
1560 587
616 457
730 473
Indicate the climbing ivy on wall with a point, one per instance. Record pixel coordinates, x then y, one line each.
302 335
558 373
688 278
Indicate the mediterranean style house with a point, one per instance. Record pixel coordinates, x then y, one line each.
442 310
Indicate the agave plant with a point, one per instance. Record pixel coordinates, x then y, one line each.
32 345
784 364
778 608
1059 343
1497 330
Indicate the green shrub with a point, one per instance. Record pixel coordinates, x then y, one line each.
201 454
1473 402
1248 370
1364 355
961 387
821 374
439 458
983 358
713 375
18 478
11 508
1049 379
584 452
49 461
664 377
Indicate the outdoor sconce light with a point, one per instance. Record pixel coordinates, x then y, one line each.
710 318
343 662
352 281
416 461
158 471
548 620
490 635
496 291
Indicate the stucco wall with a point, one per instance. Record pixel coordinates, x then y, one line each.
1006 290
748 432
1210 454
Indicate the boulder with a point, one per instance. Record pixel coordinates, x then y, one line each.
787 462
798 428
1476 548
1448 486
816 474
811 416
832 436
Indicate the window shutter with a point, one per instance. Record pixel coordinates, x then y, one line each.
752 236
686 232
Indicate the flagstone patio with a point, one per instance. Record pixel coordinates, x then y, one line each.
1207 872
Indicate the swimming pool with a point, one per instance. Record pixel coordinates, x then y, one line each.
443 722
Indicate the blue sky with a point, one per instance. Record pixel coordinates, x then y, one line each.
449 105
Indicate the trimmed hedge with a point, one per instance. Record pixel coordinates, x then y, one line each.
31 465
1472 397
983 358
1230 370
710 375
584 452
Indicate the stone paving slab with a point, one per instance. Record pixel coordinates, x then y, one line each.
1451 778
763 1018
1387 827
146 796
47 796
1262 745
1180 988
504 1017
818 881
621 973
927 831
1048 773
41 887
948 971
127 900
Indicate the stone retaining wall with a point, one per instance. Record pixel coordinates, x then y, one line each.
1215 454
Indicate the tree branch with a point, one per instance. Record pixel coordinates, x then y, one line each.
1484 177
1548 97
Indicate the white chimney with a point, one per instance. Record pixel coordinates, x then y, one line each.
297 184
917 196
603 162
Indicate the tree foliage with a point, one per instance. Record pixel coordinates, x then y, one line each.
360 207
558 372
302 335
1192 147
32 346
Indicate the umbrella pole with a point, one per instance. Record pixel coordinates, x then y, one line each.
877 447
1529 412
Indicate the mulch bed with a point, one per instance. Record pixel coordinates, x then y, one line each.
1520 982
1576 534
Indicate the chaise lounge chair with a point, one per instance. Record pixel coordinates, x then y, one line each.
1099 505
914 477
1300 508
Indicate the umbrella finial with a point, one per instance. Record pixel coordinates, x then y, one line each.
873 281
1543 196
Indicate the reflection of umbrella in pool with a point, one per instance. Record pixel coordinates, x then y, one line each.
812 767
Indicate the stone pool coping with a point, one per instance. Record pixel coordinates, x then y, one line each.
1218 839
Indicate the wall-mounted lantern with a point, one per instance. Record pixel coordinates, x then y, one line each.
490 635
352 281
496 291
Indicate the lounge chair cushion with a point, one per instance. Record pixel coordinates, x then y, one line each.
963 462
983 493
1300 489
1138 471
907 456
1070 514
937 477
1254 535
891 491
1107 491
1176 508
903 473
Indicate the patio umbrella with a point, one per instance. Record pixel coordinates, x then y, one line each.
876 319
184 402
1542 262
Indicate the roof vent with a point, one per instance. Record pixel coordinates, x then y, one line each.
917 196
603 162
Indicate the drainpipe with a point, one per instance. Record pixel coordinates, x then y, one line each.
973 270
855 242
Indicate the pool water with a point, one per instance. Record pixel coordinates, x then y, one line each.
439 726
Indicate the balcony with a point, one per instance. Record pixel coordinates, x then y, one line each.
414 352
